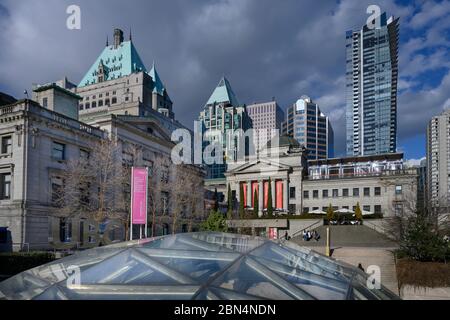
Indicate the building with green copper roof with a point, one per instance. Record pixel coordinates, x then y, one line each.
118 82
221 116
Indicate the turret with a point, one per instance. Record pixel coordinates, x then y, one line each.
118 38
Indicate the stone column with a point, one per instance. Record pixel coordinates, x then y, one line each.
285 194
274 199
249 194
261 196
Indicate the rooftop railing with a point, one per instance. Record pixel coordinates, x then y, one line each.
349 175
30 106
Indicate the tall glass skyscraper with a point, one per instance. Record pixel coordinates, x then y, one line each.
371 93
311 128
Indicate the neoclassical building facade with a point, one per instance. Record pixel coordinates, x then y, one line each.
379 184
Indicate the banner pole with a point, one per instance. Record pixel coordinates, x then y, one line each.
131 206
146 206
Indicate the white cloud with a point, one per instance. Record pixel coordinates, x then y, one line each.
430 12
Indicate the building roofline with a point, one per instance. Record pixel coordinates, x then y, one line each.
58 88
380 157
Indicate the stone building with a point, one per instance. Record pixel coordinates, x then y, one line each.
380 184
36 143
116 99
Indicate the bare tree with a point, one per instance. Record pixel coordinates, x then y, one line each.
188 196
93 186
98 187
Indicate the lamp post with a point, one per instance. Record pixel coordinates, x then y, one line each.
327 249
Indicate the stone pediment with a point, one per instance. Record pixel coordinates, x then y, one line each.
258 166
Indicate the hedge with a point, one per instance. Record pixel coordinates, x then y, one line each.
14 263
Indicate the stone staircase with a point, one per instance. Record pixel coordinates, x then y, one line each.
347 236
358 244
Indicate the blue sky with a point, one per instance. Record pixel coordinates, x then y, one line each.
282 49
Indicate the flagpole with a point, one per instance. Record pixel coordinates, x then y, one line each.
131 205
146 206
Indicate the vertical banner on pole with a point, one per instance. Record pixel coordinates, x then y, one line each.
139 187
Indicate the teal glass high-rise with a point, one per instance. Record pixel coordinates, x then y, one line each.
371 88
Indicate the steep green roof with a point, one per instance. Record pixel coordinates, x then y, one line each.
118 62
158 84
223 93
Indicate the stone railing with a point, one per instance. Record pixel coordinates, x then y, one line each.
34 108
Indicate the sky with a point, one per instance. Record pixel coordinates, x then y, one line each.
282 49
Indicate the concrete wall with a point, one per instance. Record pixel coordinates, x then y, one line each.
409 292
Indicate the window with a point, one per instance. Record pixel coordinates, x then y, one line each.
398 190
7 145
306 210
65 230
114 100
5 186
306 194
3 235
324 194
316 194
366 192
81 106
94 104
366 208
84 155
398 207
292 192
57 189
356 192
107 102
377 209
100 103
345 192
58 151
335 193
45 102
377 191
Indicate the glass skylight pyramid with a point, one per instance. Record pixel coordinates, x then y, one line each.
198 266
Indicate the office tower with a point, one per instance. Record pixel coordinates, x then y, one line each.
371 88
221 117
311 128
267 117
438 162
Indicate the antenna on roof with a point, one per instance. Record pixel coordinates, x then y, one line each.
131 37
107 40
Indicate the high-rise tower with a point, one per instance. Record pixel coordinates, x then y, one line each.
371 95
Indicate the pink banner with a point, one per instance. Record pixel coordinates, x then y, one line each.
279 196
139 186
273 233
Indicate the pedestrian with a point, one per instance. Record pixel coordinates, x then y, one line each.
286 236
316 236
360 267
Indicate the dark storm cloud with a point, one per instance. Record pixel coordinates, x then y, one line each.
267 49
